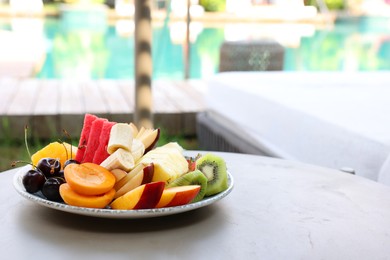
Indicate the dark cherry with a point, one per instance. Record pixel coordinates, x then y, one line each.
49 167
61 174
70 161
51 188
33 181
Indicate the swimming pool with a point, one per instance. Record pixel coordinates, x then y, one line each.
106 51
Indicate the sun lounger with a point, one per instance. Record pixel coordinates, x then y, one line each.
333 119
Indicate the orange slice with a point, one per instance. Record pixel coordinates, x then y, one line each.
55 150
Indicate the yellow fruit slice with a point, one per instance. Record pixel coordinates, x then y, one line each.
169 162
56 150
75 199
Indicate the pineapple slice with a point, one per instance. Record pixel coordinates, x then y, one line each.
169 162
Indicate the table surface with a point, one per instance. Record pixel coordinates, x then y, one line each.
277 210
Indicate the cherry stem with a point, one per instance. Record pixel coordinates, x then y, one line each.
14 163
25 140
70 140
66 150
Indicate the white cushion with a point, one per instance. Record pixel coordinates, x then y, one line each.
333 119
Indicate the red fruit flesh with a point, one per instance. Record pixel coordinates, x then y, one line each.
88 120
101 153
93 139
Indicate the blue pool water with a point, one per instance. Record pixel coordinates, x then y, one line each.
101 51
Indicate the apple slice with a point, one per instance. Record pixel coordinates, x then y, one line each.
140 132
137 169
134 129
150 139
177 196
143 177
118 174
145 196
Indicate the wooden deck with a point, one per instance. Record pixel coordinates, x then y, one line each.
48 106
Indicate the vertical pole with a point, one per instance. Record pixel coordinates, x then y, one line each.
143 115
187 43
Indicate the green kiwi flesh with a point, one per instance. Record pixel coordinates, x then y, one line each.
192 178
214 168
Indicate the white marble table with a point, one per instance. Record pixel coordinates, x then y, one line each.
277 210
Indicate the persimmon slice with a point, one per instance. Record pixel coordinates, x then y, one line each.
89 178
72 198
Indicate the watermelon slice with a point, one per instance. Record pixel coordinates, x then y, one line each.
101 153
93 139
88 120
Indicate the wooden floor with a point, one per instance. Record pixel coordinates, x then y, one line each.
48 106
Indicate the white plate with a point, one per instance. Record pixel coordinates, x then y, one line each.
110 213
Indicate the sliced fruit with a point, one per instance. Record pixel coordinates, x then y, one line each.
192 178
56 150
169 162
140 132
192 162
121 136
84 136
120 159
145 196
89 178
118 174
149 138
73 198
177 196
214 168
134 129
142 177
101 152
93 139
137 149
138 168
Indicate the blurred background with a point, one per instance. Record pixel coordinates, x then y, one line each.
94 39
97 40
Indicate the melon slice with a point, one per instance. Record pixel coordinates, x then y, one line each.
93 139
88 120
101 153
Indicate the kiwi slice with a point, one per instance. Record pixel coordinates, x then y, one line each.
192 178
214 168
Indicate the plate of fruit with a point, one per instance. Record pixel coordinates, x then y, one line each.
116 171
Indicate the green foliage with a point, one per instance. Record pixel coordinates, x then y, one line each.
78 1
331 4
213 5
15 150
187 142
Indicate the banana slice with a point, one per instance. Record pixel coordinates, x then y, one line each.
120 159
121 136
